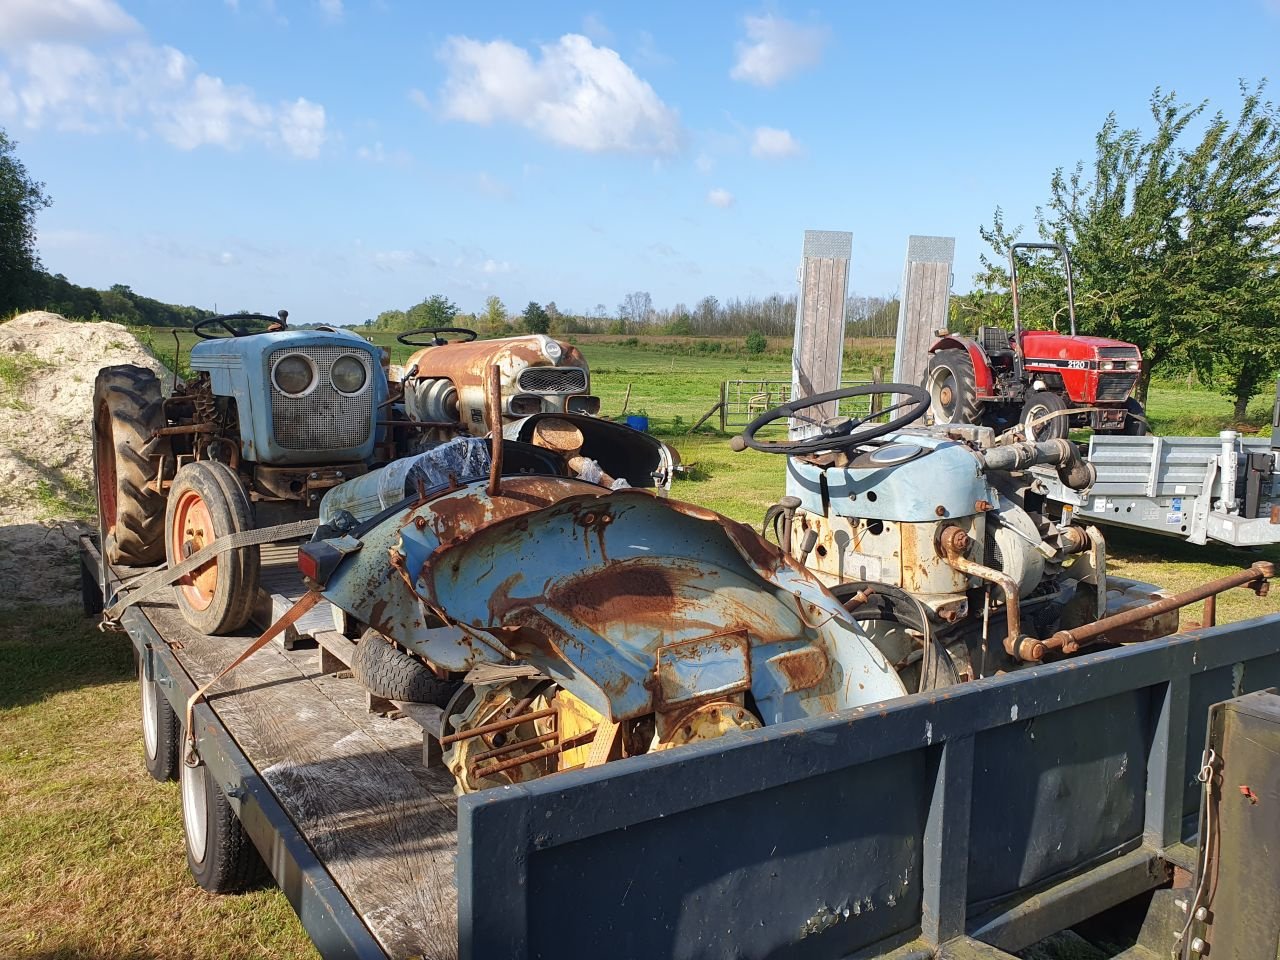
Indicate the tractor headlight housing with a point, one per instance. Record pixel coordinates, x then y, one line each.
348 374
1106 365
1133 365
294 374
551 350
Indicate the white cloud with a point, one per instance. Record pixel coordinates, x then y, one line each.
720 197
380 154
773 143
574 94
331 10
128 83
776 48
26 21
495 266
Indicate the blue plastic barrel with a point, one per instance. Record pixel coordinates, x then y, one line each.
638 423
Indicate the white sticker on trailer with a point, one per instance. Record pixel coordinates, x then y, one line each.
1175 517
1099 504
1180 488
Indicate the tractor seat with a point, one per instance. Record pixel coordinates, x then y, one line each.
996 342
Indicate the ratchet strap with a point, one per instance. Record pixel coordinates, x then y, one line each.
138 590
291 616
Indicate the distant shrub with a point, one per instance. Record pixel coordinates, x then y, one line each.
631 342
756 343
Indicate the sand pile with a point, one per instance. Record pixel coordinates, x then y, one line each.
47 369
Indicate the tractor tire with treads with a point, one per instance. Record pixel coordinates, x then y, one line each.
207 501
392 674
127 410
1041 404
953 387
1135 419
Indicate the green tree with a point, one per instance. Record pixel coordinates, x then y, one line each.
21 198
1176 245
536 319
436 311
756 343
495 312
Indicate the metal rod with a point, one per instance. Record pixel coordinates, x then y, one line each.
1072 640
493 388
495 726
1210 617
954 543
513 745
519 761
182 429
422 424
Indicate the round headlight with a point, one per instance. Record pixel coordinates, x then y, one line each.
294 374
551 350
348 374
1106 365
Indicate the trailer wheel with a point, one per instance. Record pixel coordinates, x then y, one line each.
952 386
1041 404
161 731
391 673
127 409
1135 419
220 854
207 501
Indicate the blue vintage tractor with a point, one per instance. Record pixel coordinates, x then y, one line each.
271 419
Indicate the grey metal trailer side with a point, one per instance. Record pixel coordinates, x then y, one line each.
965 822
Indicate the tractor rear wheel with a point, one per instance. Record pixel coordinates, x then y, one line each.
952 386
128 408
206 502
1041 404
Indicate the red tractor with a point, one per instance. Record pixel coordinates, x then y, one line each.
1045 380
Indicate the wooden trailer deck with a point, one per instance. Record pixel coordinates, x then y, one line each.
353 782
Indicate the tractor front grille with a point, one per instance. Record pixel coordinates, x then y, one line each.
552 380
1115 386
1118 353
323 419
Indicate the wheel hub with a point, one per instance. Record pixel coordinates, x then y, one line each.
192 531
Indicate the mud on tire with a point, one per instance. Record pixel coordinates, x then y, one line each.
391 673
127 409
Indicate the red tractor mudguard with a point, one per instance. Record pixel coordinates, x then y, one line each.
981 363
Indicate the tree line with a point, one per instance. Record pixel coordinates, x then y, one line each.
772 316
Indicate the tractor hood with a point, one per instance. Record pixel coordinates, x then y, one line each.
1058 346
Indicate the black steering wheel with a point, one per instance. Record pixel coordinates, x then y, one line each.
436 340
837 433
200 327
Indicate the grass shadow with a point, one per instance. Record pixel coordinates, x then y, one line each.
48 650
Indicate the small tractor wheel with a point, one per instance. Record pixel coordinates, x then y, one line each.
220 854
953 387
207 501
161 731
393 674
1041 404
1135 419
127 409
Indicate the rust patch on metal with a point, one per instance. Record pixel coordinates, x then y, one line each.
803 668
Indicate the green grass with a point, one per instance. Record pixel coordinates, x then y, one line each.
91 850
67 497
16 370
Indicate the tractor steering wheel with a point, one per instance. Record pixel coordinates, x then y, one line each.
836 433
224 321
436 339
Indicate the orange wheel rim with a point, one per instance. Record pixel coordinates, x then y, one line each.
192 530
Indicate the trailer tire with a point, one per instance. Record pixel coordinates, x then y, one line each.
220 854
161 731
953 387
207 501
128 407
395 675
1135 419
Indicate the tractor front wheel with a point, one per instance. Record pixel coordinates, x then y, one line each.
952 386
1041 404
206 502
1135 419
127 410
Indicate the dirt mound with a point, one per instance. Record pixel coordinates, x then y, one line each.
47 368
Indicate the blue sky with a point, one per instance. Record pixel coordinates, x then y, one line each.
340 157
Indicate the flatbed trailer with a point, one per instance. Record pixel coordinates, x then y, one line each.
966 822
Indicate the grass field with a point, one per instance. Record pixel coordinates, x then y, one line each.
91 852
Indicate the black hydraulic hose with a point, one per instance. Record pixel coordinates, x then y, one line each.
936 667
